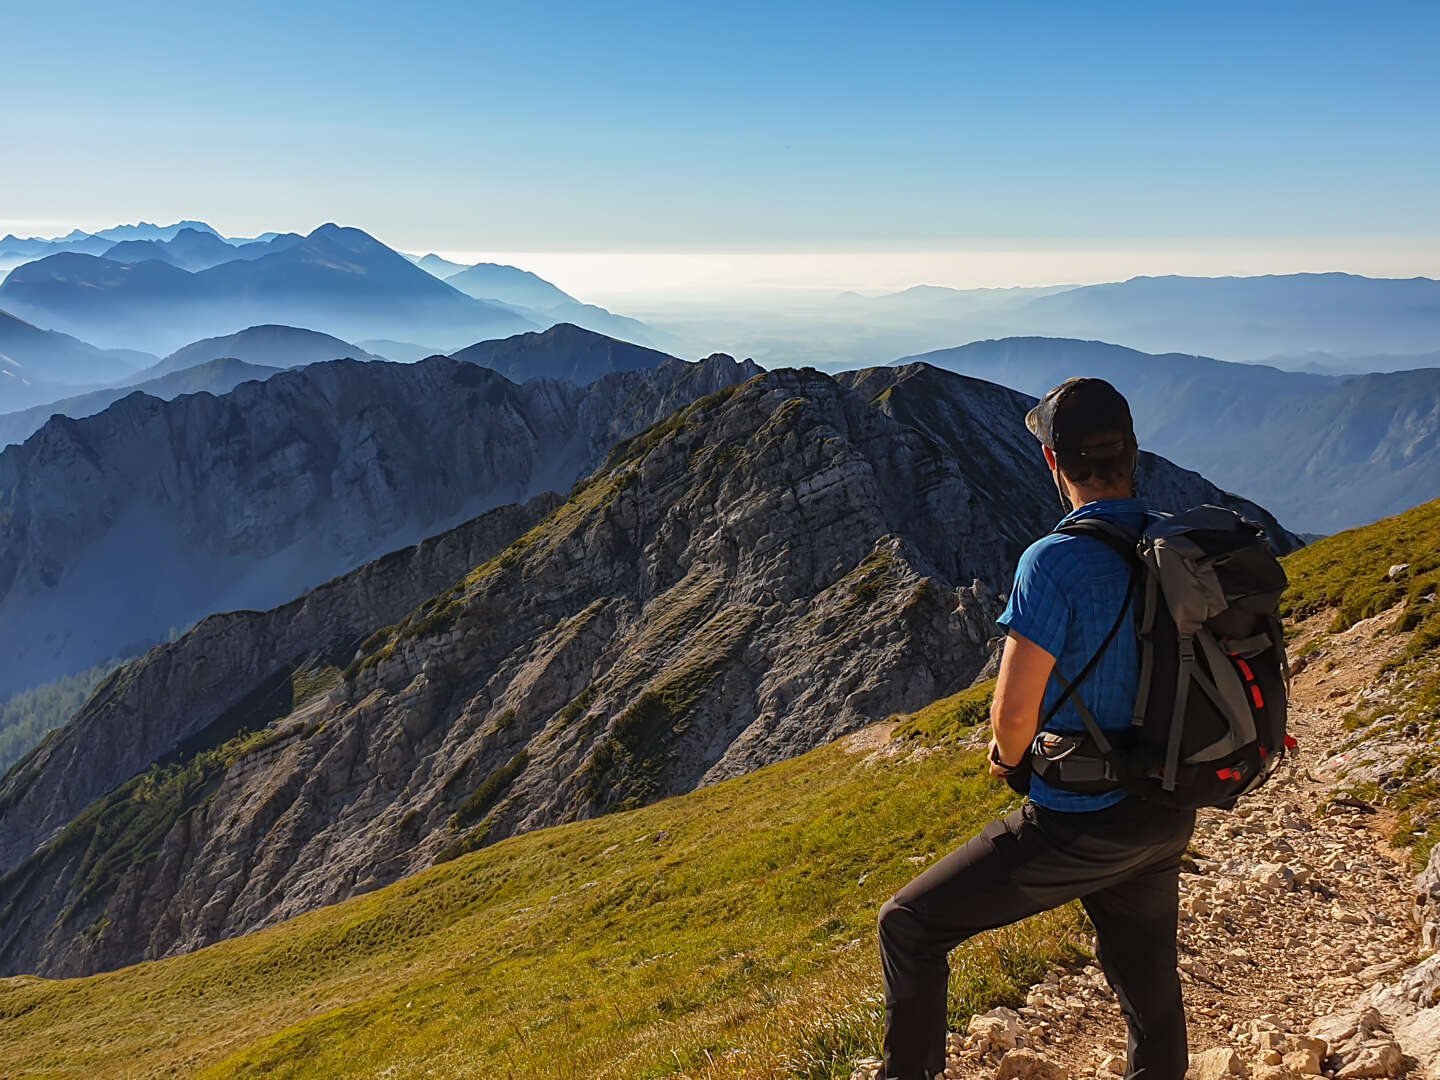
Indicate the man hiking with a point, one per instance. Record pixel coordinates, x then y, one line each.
1119 855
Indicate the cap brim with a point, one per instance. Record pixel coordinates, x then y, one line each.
1032 421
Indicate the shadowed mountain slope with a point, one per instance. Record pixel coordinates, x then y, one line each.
120 527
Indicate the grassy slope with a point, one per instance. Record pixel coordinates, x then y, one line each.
1349 573
724 933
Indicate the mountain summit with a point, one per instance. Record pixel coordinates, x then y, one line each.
565 351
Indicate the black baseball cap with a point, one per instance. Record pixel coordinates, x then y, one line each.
1073 419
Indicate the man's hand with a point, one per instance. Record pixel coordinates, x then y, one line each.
997 768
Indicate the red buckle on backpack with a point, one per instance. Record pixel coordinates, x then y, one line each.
1227 774
1290 743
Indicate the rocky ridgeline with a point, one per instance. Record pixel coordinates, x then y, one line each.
120 527
771 567
1299 925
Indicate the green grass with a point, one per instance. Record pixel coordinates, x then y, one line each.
950 720
1348 574
627 767
724 933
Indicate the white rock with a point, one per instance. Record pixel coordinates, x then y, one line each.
996 1031
1379 1057
1028 1065
1214 1064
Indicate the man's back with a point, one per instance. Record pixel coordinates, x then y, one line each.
1068 591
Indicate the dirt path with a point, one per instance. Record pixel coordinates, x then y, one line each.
1295 906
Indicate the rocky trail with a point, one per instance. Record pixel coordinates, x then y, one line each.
1300 928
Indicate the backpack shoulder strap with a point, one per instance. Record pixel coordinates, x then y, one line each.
1120 540
1124 543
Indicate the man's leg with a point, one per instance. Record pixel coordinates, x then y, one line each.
1135 928
1011 870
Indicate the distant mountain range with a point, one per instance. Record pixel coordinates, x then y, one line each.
254 353
402 352
1252 319
41 365
762 570
336 280
191 249
543 302
276 346
434 264
1325 363
1324 452
564 351
15 249
125 525
1238 318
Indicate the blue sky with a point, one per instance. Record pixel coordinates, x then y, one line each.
740 127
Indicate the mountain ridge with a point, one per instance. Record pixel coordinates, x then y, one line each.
152 514
336 280
564 351
1325 452
767 568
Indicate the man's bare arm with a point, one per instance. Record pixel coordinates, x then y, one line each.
1015 714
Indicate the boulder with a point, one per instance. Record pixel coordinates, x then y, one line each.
1028 1065
996 1031
1375 1058
1214 1064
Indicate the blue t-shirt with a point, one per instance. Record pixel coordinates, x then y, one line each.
1068 591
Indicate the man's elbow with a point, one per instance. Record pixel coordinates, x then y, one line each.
1007 722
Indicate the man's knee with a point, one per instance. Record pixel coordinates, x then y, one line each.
898 923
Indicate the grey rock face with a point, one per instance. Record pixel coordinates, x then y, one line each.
176 691
142 519
768 568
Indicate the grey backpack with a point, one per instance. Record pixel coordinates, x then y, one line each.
1209 719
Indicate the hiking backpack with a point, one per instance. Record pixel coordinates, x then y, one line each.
1209 718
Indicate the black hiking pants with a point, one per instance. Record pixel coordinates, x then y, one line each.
1122 863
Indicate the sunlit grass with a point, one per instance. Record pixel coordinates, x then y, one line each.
724 933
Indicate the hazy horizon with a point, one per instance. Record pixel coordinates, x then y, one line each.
614 148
